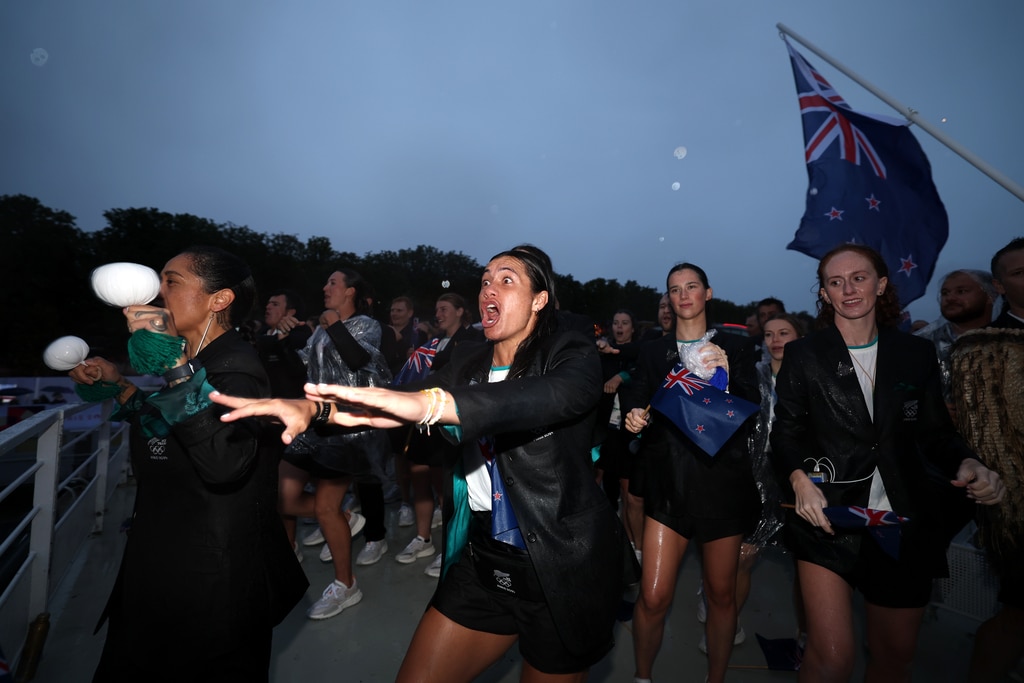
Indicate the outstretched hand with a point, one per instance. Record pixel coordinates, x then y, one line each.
294 413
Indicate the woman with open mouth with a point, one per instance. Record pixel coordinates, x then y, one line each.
533 551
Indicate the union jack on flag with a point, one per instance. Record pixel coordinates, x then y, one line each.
418 365
681 377
870 183
883 525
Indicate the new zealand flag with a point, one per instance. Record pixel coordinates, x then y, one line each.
418 365
883 525
870 183
707 415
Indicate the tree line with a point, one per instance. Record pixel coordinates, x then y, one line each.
49 260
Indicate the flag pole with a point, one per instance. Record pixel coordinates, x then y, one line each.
911 115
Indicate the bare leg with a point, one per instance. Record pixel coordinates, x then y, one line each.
998 644
442 651
633 515
748 559
830 653
334 525
423 499
292 497
721 558
663 551
892 639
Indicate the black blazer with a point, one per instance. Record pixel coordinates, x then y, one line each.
541 424
821 413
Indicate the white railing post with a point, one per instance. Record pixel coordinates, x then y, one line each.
102 458
45 501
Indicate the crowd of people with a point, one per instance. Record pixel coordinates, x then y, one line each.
534 445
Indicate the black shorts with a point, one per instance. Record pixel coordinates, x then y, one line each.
704 530
881 579
465 600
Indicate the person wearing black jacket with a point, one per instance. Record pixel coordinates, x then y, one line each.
207 572
859 411
688 495
550 575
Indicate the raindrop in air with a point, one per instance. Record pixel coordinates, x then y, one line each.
661 239
813 191
445 284
680 152
39 56
675 186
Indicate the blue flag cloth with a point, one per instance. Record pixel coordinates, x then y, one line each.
504 525
883 525
418 365
704 413
870 183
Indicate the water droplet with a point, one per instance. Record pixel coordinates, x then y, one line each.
680 152
445 284
661 239
39 56
675 186
813 191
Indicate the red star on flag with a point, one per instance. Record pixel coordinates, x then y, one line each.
907 264
707 401
834 214
497 497
700 429
873 203
731 413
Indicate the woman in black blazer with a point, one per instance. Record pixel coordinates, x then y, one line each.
688 495
523 408
859 409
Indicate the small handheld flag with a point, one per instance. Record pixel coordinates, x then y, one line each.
707 415
418 365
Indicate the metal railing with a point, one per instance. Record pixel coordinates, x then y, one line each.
56 483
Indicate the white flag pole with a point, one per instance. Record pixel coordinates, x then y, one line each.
912 116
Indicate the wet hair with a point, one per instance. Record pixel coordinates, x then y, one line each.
362 287
291 300
797 323
457 302
218 269
983 278
887 306
545 262
701 275
538 273
632 319
1016 244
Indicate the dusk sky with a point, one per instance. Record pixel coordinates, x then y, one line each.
476 125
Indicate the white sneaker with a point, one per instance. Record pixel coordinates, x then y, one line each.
298 551
325 553
434 568
436 520
741 636
356 522
372 552
336 597
702 604
406 516
417 548
315 537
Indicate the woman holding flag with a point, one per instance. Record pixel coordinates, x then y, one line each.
859 407
533 551
693 490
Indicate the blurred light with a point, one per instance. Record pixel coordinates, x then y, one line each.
445 284
675 186
39 56
813 191
680 152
